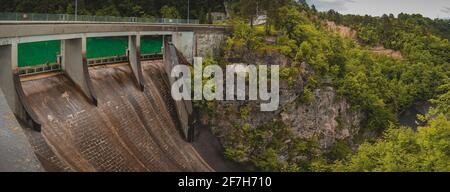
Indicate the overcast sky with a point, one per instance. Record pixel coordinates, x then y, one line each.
428 8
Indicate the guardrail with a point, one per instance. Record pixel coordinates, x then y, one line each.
55 67
10 16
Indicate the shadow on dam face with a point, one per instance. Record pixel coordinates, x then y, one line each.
130 130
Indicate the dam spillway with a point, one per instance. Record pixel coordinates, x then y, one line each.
87 101
129 130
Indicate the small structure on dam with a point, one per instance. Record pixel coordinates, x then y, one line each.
107 112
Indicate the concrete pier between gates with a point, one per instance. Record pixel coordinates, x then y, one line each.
74 64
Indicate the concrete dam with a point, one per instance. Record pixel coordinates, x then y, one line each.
113 113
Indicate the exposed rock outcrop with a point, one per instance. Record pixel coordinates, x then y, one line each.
347 32
328 118
343 31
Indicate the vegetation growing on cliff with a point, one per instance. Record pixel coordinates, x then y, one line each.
271 147
378 85
404 149
416 36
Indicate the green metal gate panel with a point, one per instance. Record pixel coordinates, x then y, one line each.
151 44
37 53
98 47
46 52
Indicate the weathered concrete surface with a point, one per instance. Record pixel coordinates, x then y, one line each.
11 87
130 130
8 62
16 153
13 30
328 118
74 65
183 107
134 57
184 42
208 43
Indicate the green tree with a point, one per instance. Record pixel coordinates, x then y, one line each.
249 9
403 149
442 102
169 12
108 11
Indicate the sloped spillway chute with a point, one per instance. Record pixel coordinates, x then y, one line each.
129 130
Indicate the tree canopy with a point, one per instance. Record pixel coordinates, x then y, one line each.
405 150
378 85
125 8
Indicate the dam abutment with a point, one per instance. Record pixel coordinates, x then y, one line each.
12 88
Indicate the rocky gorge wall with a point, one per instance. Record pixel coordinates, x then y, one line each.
327 118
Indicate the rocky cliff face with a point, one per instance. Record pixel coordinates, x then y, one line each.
327 118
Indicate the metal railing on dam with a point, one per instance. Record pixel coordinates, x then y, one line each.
13 16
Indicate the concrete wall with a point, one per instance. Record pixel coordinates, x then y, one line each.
134 57
183 107
12 88
16 153
208 43
13 30
184 42
8 53
74 65
201 43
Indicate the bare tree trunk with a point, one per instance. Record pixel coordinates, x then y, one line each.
227 11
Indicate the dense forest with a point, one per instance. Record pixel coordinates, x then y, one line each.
384 29
199 9
379 85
